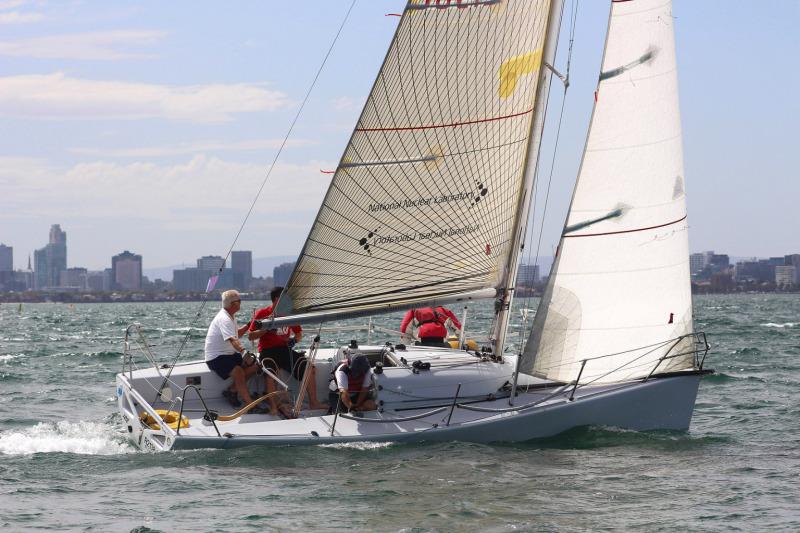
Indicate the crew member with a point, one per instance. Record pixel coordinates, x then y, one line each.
430 322
223 350
353 380
276 345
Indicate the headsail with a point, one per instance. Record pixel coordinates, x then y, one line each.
422 204
620 283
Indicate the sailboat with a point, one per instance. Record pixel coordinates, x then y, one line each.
429 206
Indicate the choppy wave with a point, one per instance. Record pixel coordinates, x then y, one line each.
86 438
359 445
784 325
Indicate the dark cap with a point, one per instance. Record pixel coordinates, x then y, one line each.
359 365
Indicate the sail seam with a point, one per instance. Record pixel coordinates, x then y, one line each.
627 230
633 146
612 272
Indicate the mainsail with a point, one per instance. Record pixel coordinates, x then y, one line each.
423 202
620 284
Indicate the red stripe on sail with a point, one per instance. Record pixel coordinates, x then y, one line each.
454 124
628 230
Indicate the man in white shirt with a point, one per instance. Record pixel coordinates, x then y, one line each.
224 351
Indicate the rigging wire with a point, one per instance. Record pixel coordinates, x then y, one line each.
573 20
261 188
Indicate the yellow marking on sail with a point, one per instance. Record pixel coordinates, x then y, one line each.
512 69
436 151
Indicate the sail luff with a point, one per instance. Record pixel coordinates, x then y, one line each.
620 282
527 362
278 306
535 136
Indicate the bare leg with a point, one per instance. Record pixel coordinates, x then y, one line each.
313 401
239 375
273 400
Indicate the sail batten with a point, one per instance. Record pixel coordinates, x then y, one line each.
424 198
619 296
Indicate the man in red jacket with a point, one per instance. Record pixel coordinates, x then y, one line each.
276 344
430 321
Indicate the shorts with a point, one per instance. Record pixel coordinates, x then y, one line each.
223 365
287 359
437 342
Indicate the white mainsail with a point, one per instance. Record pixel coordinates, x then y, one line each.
620 284
423 202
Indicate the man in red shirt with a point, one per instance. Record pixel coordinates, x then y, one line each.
430 321
276 344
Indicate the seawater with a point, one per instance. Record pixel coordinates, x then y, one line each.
65 463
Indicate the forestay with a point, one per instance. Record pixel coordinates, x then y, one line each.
422 204
620 283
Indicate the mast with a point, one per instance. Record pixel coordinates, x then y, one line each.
506 293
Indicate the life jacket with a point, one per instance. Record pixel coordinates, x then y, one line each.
352 386
427 315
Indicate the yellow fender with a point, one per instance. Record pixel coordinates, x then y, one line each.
169 417
468 343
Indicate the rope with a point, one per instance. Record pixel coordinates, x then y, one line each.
261 188
393 420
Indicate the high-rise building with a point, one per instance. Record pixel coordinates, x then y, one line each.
51 260
794 260
281 273
73 278
527 275
211 262
126 271
242 267
755 270
785 275
698 262
6 266
6 258
96 281
196 279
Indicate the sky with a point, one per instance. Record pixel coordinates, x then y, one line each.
150 126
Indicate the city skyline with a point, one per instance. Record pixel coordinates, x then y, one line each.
57 232
130 127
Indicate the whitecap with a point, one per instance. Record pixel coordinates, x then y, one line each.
86 438
7 357
784 325
361 445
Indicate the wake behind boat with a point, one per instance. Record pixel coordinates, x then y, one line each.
429 205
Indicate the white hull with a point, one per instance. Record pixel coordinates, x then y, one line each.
662 402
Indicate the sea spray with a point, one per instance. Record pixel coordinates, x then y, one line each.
80 437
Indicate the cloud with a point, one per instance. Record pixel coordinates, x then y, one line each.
60 96
198 147
11 4
104 45
343 103
15 17
158 193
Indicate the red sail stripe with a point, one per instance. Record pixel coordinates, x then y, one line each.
454 124
628 230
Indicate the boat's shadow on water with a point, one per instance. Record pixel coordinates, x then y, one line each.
598 437
288 457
